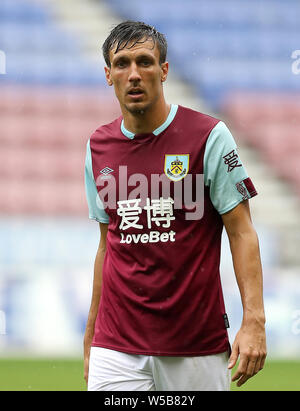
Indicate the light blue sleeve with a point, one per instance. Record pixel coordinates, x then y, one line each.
224 172
96 209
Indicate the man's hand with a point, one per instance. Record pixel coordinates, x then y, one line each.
250 341
250 346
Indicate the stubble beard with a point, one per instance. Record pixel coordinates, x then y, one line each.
140 111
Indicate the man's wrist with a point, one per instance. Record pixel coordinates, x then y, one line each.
254 318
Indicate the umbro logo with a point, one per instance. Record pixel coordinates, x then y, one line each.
105 172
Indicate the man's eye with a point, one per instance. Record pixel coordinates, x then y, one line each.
121 64
146 63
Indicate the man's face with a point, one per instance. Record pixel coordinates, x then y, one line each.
137 76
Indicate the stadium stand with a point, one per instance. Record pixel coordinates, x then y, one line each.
52 99
235 57
271 124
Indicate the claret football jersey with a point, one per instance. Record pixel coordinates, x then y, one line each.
162 195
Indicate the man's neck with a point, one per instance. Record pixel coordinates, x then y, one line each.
147 121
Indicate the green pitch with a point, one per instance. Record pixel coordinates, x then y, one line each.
67 375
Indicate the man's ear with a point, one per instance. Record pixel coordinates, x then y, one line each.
107 75
164 71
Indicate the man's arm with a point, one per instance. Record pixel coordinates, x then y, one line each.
97 285
250 341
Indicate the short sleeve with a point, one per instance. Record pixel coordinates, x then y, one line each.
96 209
224 172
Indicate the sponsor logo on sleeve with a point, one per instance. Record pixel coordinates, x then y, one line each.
246 188
231 160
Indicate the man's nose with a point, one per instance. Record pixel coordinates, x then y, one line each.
134 74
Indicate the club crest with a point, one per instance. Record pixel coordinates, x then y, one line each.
176 166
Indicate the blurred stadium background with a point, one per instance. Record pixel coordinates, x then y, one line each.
239 61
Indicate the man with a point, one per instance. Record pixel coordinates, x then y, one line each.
157 319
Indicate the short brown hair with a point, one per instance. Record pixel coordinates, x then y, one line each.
135 32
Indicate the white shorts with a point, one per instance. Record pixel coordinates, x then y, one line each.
111 370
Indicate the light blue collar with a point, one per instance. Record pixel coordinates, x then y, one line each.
160 129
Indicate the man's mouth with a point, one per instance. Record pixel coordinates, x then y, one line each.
136 92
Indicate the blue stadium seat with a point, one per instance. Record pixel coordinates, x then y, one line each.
23 10
215 78
230 13
49 70
232 43
38 51
40 38
221 45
